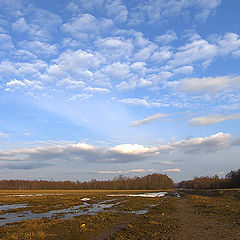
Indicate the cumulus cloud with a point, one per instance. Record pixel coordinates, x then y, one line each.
74 64
211 85
229 44
117 71
96 90
86 26
140 102
123 153
6 43
155 10
187 70
39 48
125 171
38 24
148 119
115 49
133 149
117 10
25 84
207 144
172 170
198 50
212 119
168 37
80 96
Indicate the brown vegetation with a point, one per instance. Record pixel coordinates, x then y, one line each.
151 181
232 180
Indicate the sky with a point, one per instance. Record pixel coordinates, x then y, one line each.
90 89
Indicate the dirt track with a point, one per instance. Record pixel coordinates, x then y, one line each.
192 217
194 224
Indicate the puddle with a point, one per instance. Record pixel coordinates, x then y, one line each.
160 194
78 210
33 195
12 206
177 195
84 208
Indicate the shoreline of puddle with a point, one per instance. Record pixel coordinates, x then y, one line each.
78 210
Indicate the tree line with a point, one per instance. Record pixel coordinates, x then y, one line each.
149 182
231 180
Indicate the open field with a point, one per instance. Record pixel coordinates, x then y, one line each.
212 214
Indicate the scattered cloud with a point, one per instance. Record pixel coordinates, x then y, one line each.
199 50
167 162
148 119
229 44
153 11
211 85
125 171
172 170
212 119
166 38
80 96
140 102
96 90
3 134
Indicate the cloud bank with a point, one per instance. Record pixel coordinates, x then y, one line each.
123 153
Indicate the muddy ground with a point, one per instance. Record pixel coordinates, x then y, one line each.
212 214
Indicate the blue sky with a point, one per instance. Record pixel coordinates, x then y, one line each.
98 88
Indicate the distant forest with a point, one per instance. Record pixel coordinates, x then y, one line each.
149 182
231 180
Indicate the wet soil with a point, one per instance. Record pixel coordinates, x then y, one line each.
196 215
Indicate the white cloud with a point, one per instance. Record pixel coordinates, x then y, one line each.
27 84
24 55
166 38
172 170
117 71
117 10
155 10
167 162
163 54
135 101
30 70
81 26
212 119
148 119
139 67
229 44
124 171
198 50
133 149
75 64
145 53
96 90
212 143
211 85
37 23
124 153
80 96
70 84
141 102
187 70
115 49
86 26
39 48
2 134
6 43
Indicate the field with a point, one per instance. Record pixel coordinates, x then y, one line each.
182 214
